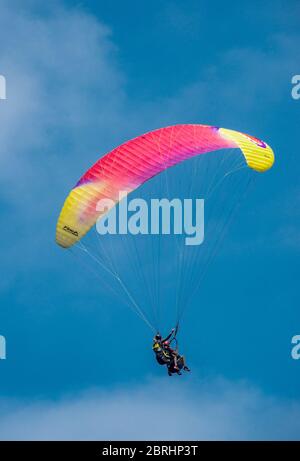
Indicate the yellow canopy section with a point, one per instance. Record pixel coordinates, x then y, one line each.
259 156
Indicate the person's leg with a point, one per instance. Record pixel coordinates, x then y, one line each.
185 367
176 357
175 360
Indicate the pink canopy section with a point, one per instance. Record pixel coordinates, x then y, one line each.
137 160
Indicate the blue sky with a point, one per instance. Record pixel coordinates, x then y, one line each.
82 78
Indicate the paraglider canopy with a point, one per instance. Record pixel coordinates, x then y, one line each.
214 163
136 161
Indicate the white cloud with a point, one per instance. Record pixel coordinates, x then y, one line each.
166 409
65 98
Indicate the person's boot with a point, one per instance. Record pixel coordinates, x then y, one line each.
186 368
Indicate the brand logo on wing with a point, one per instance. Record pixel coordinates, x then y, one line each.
68 229
256 141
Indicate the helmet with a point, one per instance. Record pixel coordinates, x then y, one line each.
158 337
167 343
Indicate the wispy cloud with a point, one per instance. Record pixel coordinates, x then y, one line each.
65 97
206 410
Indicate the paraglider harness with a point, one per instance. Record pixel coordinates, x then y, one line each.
163 356
180 360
